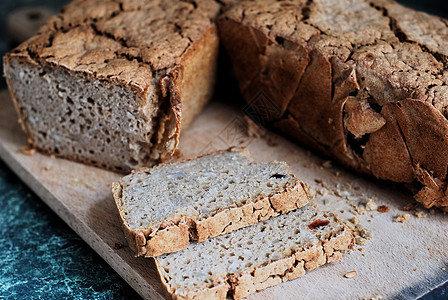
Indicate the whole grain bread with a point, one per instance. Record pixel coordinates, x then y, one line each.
111 83
362 81
165 207
254 258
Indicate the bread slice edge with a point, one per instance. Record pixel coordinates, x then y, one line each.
175 234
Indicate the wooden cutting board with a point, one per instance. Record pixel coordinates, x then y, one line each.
401 260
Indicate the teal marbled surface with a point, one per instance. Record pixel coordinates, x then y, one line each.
42 258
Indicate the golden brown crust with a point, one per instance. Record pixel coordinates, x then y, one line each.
367 83
199 63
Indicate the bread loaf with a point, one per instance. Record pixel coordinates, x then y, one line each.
164 207
362 81
253 258
112 83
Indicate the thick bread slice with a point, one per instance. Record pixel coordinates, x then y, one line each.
111 83
363 81
164 207
256 257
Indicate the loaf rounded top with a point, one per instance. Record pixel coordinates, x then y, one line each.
128 41
407 47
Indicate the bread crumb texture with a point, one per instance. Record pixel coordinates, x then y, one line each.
254 258
367 83
164 207
402 218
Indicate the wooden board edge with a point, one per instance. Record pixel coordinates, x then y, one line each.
133 278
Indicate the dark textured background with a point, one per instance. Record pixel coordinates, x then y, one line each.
40 256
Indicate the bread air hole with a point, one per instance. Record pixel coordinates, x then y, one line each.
277 176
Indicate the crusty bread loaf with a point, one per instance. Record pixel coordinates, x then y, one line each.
164 207
254 258
362 81
111 83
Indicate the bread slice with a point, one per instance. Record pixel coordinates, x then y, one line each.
163 208
111 83
254 258
363 81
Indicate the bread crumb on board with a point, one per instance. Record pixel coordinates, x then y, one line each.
351 274
360 233
358 210
371 204
28 150
383 208
360 241
402 218
420 214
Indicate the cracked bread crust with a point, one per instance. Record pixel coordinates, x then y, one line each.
174 234
362 81
166 50
124 41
